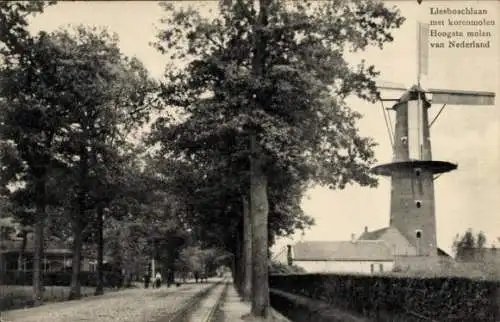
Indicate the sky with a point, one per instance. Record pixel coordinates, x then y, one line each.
466 135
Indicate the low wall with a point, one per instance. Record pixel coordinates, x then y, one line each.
418 263
394 298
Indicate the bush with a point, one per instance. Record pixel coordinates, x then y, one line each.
279 268
398 268
20 296
376 297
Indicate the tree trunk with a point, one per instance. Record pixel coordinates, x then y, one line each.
237 262
20 258
38 240
247 252
259 204
100 250
79 221
170 263
75 292
233 269
127 278
259 208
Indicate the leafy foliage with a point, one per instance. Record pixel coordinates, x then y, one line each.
195 259
261 94
14 36
69 100
32 115
125 244
304 128
468 247
397 298
280 268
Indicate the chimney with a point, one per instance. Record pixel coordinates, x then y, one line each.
366 229
353 238
289 254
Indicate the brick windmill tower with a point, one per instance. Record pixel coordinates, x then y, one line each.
412 170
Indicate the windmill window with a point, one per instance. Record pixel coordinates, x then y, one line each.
418 233
418 203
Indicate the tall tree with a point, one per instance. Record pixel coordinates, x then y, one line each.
480 240
259 204
247 249
14 35
276 76
73 94
468 247
19 53
33 116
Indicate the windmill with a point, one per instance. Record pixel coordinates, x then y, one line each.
412 170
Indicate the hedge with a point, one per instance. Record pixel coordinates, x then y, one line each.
111 279
300 308
402 298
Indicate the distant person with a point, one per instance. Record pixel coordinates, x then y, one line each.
184 276
196 276
147 278
203 277
158 280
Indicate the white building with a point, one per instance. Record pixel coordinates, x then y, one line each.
405 253
355 256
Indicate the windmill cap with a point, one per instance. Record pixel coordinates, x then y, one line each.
412 95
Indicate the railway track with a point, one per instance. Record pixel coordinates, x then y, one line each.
190 302
215 313
199 307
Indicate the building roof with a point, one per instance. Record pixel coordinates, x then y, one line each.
377 235
51 247
373 235
341 251
442 253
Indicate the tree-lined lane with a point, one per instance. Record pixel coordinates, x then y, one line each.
134 305
251 111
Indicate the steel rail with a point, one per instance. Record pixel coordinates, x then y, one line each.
181 314
212 315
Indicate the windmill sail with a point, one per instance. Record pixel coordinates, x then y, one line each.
416 109
391 86
457 97
423 49
415 130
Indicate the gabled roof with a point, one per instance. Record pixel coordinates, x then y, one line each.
373 235
442 253
377 234
341 251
